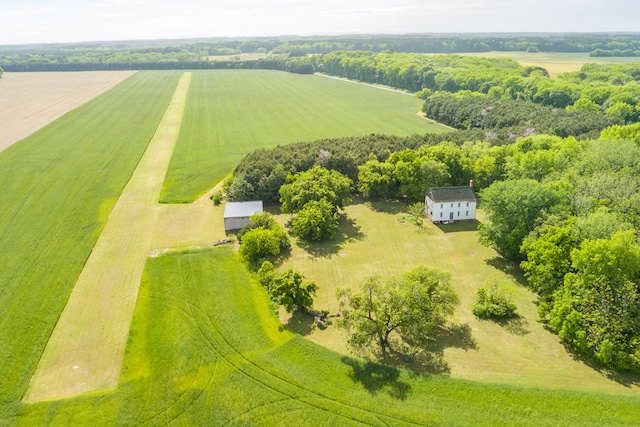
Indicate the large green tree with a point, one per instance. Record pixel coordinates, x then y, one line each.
547 250
292 291
597 311
315 184
402 309
512 208
317 220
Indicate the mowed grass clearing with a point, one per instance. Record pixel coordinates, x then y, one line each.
375 241
555 62
58 188
205 350
232 112
86 348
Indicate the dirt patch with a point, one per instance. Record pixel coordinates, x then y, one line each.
32 100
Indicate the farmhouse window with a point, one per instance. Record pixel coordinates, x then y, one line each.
467 214
440 214
451 204
441 205
458 204
467 204
458 213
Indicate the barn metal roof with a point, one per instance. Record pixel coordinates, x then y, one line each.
452 194
242 209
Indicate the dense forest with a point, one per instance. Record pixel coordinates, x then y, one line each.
201 53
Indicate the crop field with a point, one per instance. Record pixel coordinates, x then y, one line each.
58 188
231 112
205 350
88 358
32 100
555 62
200 345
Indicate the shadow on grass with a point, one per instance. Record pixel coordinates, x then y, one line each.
509 268
392 207
376 377
300 323
348 231
426 356
515 325
625 379
454 336
459 226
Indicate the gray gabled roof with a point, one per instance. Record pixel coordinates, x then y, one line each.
452 194
242 209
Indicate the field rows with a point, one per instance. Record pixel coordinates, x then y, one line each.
195 358
231 113
58 188
32 100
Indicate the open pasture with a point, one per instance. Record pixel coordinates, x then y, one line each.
555 62
232 112
59 186
205 350
375 240
32 100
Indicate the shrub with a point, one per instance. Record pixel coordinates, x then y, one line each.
494 302
217 198
262 238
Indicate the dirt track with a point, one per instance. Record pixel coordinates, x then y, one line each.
29 101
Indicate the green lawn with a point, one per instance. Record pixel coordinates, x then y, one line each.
231 112
204 350
58 188
375 241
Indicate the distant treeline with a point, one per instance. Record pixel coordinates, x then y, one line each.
292 65
517 117
196 52
596 96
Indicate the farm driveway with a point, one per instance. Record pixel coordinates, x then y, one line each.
86 349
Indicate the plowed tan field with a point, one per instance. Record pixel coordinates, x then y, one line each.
29 101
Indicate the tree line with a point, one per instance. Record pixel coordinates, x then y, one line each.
279 63
517 117
193 50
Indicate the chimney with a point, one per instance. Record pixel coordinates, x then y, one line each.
471 183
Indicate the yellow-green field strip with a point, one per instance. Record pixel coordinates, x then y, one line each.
86 348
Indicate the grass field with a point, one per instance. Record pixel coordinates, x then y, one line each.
230 113
555 62
375 241
204 350
58 188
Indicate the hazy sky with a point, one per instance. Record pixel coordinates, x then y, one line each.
29 21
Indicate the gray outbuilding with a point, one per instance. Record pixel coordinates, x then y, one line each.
236 214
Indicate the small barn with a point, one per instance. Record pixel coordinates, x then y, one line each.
236 214
443 204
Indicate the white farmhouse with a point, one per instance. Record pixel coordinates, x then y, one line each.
450 204
236 214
